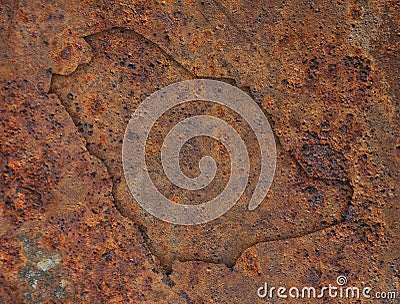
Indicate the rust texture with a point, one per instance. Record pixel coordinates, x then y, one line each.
326 75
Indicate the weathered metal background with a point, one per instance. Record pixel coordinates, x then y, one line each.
325 73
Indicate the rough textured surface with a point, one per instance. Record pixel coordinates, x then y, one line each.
109 89
326 74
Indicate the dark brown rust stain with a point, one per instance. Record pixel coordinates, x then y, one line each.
320 161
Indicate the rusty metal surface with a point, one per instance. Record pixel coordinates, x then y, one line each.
326 74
